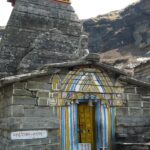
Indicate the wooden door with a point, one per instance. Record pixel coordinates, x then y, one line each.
86 121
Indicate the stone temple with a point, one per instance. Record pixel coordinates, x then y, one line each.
40 32
55 95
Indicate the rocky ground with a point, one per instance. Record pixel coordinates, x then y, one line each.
122 37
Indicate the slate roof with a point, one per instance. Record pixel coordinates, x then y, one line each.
92 59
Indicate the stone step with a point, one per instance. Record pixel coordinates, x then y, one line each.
132 146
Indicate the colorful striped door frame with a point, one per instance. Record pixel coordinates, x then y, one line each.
105 126
85 84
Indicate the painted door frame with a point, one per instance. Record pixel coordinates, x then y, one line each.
102 136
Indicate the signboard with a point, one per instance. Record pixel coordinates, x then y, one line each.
84 146
22 135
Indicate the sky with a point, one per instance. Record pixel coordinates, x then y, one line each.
84 8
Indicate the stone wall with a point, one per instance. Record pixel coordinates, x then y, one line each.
28 105
25 106
142 72
133 119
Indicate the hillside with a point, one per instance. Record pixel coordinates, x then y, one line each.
122 37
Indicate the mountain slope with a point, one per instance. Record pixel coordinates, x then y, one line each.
121 36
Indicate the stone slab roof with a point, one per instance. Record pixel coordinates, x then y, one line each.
57 67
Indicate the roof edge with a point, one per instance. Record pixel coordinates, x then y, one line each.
134 81
56 68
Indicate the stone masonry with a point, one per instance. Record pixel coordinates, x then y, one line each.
133 121
36 21
25 106
142 71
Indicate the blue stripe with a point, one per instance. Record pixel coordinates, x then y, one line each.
113 122
100 82
76 113
74 84
76 80
71 115
104 126
63 129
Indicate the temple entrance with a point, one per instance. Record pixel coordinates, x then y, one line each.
87 116
86 125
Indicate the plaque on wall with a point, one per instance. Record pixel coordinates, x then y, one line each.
33 134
